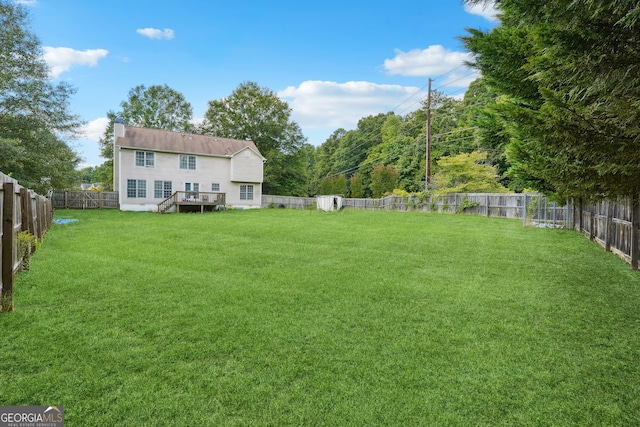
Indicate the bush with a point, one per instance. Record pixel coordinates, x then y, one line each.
466 204
26 246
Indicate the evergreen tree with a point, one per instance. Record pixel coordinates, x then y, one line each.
569 78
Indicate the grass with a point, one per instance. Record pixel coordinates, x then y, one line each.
284 317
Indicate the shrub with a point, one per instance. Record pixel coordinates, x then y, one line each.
26 246
466 204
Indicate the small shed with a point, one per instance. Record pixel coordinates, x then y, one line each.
329 203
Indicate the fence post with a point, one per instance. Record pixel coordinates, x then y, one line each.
635 230
488 201
608 227
580 220
39 219
8 246
592 222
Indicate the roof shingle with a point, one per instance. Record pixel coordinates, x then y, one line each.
176 142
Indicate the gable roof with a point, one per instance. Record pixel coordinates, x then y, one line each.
177 142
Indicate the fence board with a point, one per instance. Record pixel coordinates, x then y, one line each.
8 244
20 210
635 228
85 200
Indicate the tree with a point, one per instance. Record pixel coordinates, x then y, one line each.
324 158
155 107
357 189
308 161
104 175
334 184
345 152
88 174
401 148
466 173
570 77
40 161
383 179
256 113
354 146
34 113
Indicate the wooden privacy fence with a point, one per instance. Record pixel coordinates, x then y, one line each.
21 210
614 224
531 208
85 199
288 202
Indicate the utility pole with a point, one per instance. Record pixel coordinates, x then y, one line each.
427 181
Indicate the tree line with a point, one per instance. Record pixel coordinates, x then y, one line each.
386 152
556 110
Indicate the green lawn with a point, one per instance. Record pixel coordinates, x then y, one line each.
284 317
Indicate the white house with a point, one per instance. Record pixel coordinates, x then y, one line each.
151 165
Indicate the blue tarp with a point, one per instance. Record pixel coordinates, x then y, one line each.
64 221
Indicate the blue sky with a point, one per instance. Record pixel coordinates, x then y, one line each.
334 62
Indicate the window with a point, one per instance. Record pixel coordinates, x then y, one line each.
246 192
187 162
162 189
215 187
145 159
136 188
192 190
191 186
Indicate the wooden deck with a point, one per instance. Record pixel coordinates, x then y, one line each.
193 201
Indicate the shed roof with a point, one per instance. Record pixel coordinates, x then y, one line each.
177 142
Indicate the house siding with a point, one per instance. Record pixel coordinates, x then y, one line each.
208 170
246 166
230 163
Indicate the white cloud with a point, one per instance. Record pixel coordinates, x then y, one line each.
434 60
486 10
330 105
61 59
26 2
154 33
94 130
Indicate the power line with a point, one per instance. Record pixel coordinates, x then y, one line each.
455 131
449 72
378 132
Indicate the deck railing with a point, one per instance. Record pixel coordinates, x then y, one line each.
185 198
